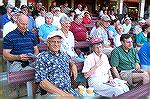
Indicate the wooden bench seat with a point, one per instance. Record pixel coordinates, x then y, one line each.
82 44
136 93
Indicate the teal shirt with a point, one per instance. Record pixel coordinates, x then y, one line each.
140 38
46 29
124 60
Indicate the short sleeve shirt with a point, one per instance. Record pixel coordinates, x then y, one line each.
101 71
19 43
55 69
46 29
79 31
144 54
140 38
124 60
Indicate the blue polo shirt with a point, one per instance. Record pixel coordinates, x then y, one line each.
45 29
144 54
19 43
4 19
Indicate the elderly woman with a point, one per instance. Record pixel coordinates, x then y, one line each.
97 70
46 28
119 30
67 45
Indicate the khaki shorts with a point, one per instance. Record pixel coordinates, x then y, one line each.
16 66
127 76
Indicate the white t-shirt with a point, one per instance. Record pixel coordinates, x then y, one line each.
117 41
39 21
126 28
8 27
78 11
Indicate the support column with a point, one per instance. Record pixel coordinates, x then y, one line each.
72 4
142 5
95 5
120 6
149 11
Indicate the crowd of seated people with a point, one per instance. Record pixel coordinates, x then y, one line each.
111 42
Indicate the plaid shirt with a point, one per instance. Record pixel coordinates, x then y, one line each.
55 69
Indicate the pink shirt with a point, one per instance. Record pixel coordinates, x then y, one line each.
101 71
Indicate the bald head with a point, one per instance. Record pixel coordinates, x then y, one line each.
22 23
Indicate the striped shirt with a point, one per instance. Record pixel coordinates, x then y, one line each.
19 43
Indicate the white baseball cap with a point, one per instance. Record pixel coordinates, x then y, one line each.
55 33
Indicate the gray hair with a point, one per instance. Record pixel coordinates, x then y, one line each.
64 18
49 15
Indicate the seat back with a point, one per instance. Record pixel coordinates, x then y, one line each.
42 47
19 77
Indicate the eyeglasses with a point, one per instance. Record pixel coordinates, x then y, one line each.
129 41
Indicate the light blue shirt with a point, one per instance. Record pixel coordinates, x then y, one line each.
112 29
45 29
31 23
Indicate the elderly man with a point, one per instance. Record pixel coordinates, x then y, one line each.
31 21
138 28
18 43
102 32
97 70
125 62
78 9
52 69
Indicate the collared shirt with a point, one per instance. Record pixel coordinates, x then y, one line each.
126 28
45 29
137 29
112 29
141 38
78 11
55 69
117 41
79 31
124 60
39 21
101 71
5 18
19 43
100 32
144 54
